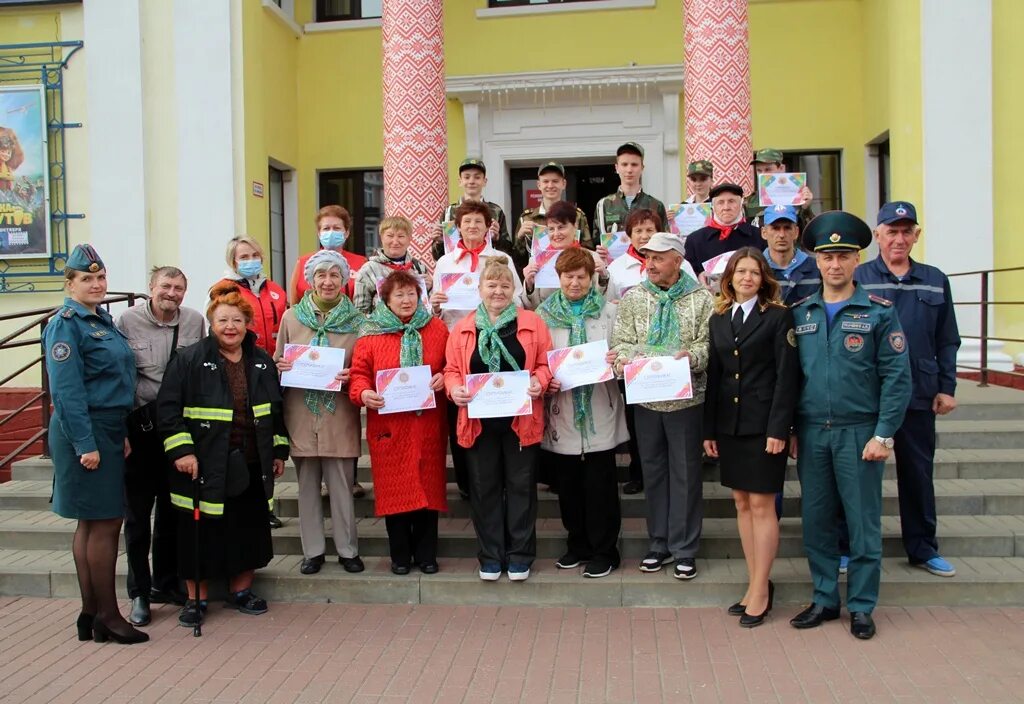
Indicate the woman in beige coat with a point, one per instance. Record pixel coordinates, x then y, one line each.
584 425
324 426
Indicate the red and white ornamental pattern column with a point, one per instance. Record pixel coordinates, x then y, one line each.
717 88
415 124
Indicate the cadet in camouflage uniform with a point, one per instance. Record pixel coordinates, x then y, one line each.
769 161
472 179
551 182
611 212
698 177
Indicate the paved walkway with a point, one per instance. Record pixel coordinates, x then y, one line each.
342 653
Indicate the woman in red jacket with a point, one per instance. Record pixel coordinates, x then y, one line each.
407 449
333 225
501 452
245 263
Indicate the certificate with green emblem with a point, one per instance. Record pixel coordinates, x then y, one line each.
780 189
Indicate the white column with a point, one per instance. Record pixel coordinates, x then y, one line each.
956 108
117 200
207 184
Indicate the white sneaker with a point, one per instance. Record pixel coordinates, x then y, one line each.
490 571
518 572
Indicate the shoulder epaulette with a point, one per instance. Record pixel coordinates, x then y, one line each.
802 300
779 304
879 300
67 312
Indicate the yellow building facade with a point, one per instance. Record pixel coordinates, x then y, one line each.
211 101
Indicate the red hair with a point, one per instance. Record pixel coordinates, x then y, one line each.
227 293
395 280
334 211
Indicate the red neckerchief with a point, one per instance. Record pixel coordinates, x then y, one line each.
474 253
723 230
636 255
398 267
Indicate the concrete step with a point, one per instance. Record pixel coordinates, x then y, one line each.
996 581
965 536
981 434
960 497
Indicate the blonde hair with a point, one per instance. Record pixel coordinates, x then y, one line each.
233 246
497 266
395 222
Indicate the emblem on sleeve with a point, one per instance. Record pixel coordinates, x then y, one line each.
791 337
60 351
897 341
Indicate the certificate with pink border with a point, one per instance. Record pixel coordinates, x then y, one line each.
499 394
405 389
580 365
654 379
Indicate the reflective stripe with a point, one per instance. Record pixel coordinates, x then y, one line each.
177 440
185 502
902 287
200 413
270 505
262 409
280 440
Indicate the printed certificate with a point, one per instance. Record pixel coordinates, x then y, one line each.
716 265
658 379
546 276
313 367
780 189
450 236
405 389
539 241
462 288
499 394
581 365
684 218
617 242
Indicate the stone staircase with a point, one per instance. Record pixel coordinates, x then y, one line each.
980 500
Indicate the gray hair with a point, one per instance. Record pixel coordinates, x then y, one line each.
325 260
171 272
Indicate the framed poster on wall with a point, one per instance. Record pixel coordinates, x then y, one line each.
24 174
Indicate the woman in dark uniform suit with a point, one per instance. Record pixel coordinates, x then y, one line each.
753 382
91 371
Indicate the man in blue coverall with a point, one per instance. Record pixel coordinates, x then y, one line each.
922 297
856 386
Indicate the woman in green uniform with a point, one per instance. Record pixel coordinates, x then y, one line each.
92 382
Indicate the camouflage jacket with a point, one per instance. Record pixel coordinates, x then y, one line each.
612 211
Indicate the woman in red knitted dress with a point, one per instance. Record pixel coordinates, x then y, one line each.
407 449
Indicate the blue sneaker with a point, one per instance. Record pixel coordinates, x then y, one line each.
518 572
844 564
938 566
490 571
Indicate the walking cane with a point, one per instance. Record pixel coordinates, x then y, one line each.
198 629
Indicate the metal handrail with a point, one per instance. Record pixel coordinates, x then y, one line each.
983 303
39 317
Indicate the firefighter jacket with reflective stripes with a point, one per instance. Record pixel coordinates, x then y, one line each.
194 412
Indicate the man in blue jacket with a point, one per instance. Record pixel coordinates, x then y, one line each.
921 295
794 269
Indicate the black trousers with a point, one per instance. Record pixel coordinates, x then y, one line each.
412 536
145 486
635 471
503 496
458 451
588 499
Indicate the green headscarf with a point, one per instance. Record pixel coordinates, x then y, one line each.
489 343
383 321
342 318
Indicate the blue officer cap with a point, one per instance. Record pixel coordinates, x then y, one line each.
780 212
895 211
84 258
836 231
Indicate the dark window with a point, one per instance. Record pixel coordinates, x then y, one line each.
824 176
520 3
340 10
361 193
884 173
585 185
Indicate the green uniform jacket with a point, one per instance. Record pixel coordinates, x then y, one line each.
754 213
856 372
612 211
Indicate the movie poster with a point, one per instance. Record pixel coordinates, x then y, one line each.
24 176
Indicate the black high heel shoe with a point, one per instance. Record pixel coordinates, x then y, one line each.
101 633
84 626
752 620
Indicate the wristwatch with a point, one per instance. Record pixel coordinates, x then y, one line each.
887 443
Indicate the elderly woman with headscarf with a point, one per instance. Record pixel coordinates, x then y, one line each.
407 449
324 426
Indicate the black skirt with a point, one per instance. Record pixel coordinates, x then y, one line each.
745 466
231 544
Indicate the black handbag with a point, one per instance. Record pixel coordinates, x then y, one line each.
236 476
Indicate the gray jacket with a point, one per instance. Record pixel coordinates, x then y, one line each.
150 340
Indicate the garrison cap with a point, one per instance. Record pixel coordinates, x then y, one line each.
780 212
630 148
896 211
767 156
472 164
701 166
551 166
726 188
84 258
836 231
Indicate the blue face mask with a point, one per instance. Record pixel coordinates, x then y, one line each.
250 267
332 239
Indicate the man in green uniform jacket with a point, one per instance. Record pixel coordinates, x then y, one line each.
612 210
856 387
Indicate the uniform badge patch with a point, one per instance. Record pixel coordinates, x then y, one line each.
791 337
806 329
897 341
60 352
853 342
853 326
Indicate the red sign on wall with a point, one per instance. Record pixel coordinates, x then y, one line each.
533 198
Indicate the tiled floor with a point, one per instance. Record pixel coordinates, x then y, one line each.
341 653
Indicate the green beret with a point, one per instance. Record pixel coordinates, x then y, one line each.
836 231
472 164
84 258
767 156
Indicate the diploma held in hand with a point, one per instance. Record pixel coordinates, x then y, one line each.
499 394
581 365
313 367
405 389
462 289
780 189
658 379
